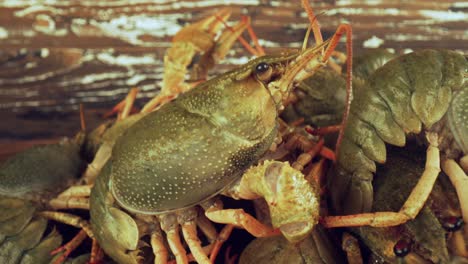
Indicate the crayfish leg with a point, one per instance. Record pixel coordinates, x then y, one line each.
191 40
75 197
189 230
124 107
239 218
330 51
72 220
410 208
464 163
159 249
351 246
68 248
222 237
207 227
459 180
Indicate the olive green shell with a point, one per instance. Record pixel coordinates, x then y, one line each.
406 95
24 237
41 168
115 231
321 99
393 184
107 133
367 63
317 248
193 147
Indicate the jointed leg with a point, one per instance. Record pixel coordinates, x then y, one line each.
223 236
184 48
189 230
77 191
102 156
306 157
176 246
207 227
75 197
317 174
124 107
69 247
70 203
69 219
351 246
159 250
72 220
97 254
459 180
464 163
170 226
410 208
240 218
300 141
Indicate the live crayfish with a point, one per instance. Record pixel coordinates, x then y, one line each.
27 182
422 88
322 87
436 235
213 110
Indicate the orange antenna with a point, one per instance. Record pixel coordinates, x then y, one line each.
313 22
258 50
306 38
82 119
129 100
342 29
254 38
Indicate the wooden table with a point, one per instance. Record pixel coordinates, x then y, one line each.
55 56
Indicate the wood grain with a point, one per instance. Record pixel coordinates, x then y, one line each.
57 55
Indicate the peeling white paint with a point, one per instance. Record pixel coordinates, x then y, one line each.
160 5
410 37
445 15
91 78
131 28
460 5
3 33
373 42
32 9
49 28
136 79
368 11
268 44
45 52
406 51
126 60
236 61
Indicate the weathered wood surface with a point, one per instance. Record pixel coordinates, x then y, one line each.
56 55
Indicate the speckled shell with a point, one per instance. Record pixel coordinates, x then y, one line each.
41 169
193 147
458 118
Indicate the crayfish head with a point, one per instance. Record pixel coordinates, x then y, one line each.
293 202
283 72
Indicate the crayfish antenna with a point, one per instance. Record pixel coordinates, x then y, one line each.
258 49
306 38
82 119
313 22
342 29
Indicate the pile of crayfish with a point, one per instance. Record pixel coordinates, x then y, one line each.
288 133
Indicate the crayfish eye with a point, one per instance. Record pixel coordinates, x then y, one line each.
263 71
401 248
